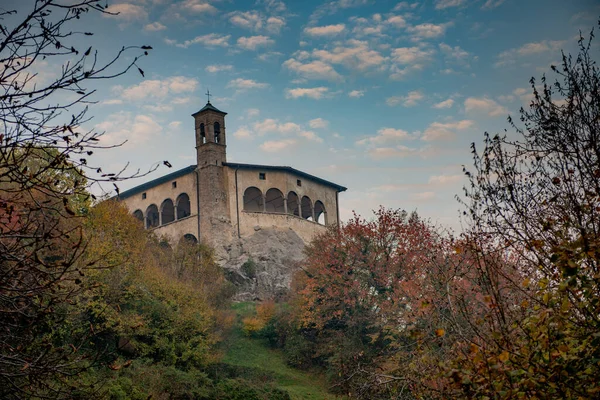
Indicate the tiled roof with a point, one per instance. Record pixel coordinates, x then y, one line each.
339 188
210 107
165 178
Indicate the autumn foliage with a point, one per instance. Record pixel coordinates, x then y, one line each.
393 308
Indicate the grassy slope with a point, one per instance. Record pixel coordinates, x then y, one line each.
248 352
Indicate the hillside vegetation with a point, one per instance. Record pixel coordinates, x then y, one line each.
92 305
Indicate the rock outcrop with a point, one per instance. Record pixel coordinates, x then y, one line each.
261 265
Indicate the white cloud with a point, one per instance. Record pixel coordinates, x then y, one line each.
288 127
274 24
441 4
444 179
356 55
396 21
311 136
112 102
328 30
331 7
427 31
356 94
412 55
404 5
269 56
243 133
246 84
218 68
316 93
252 112
273 146
445 130
455 53
158 108
509 57
210 40
485 105
313 70
386 135
392 152
155 88
126 12
154 27
123 126
444 104
318 123
268 125
197 7
489 4
254 42
410 100
256 21
422 196
540 47
249 20
271 125
174 124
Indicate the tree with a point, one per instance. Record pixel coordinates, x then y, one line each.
536 197
363 296
44 174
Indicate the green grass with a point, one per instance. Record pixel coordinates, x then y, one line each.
249 352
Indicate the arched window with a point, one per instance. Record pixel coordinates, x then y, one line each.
167 212
152 219
183 206
307 211
320 213
293 205
189 238
217 127
139 215
202 133
274 201
253 200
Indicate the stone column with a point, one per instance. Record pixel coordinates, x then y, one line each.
264 199
312 209
300 207
285 205
175 212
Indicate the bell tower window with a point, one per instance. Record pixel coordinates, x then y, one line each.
202 134
217 128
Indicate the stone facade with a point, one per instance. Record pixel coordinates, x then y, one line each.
226 204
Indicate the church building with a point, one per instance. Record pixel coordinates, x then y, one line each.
216 201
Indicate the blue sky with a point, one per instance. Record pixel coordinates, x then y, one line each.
383 97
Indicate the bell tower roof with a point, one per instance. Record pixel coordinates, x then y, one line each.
209 107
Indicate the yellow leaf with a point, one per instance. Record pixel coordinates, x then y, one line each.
440 332
503 356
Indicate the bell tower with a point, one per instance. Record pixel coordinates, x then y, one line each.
211 139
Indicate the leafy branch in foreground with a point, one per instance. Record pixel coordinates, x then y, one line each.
44 176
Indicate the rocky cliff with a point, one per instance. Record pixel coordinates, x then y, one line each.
261 265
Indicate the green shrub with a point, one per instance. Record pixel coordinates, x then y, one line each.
249 268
